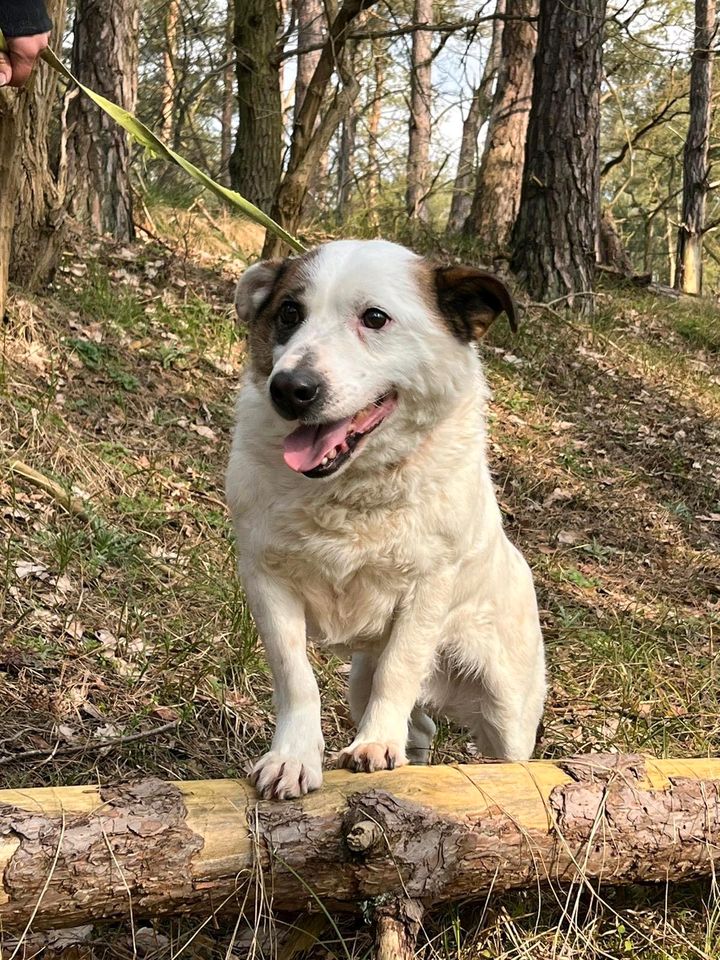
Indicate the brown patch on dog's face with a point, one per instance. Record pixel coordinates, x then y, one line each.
469 300
258 298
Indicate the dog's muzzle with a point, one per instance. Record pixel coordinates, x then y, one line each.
294 393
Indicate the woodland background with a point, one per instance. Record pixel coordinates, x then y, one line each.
407 119
568 145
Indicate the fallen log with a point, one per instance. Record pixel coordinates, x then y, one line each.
421 835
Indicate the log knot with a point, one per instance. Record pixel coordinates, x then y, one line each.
416 843
363 836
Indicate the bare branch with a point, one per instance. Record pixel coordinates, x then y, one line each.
442 26
639 134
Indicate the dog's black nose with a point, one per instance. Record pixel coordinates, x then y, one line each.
293 393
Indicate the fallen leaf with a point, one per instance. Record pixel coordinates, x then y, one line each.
74 629
556 496
108 731
202 431
147 940
165 713
26 568
107 639
67 733
570 537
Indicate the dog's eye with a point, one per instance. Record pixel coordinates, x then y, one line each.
375 318
290 314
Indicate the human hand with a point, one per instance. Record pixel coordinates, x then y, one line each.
17 62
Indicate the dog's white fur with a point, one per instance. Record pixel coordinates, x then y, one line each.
400 558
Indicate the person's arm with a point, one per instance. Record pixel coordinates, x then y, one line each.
26 27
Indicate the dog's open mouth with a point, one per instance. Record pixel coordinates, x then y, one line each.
318 450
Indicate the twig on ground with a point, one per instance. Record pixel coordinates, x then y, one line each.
72 504
89 745
157 239
59 494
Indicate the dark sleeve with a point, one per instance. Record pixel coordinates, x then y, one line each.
23 18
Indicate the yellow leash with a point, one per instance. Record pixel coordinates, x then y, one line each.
147 139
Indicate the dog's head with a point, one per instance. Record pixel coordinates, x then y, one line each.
353 333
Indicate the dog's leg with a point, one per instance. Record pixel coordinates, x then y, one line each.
421 728
507 726
421 731
396 684
293 765
362 668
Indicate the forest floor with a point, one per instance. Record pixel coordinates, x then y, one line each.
125 617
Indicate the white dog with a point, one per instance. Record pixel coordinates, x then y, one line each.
365 514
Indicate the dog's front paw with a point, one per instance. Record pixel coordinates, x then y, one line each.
278 776
368 757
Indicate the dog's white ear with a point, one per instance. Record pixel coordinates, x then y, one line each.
470 299
255 286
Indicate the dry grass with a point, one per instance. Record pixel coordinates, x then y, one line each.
118 384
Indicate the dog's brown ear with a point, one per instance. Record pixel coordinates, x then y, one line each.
470 300
256 286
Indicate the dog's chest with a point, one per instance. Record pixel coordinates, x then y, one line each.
352 567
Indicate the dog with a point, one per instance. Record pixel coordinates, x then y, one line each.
365 515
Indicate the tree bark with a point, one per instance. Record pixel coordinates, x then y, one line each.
71 855
499 183
374 173
311 31
311 138
228 93
461 202
418 166
256 163
32 217
696 170
346 153
105 58
612 249
167 114
555 235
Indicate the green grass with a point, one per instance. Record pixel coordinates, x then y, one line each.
699 325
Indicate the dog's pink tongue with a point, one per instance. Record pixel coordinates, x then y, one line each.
307 446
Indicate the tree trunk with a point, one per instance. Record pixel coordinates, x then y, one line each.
227 103
375 115
72 855
555 236
688 271
346 153
497 191
105 58
311 30
167 114
418 166
477 115
310 138
32 220
612 249
256 162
